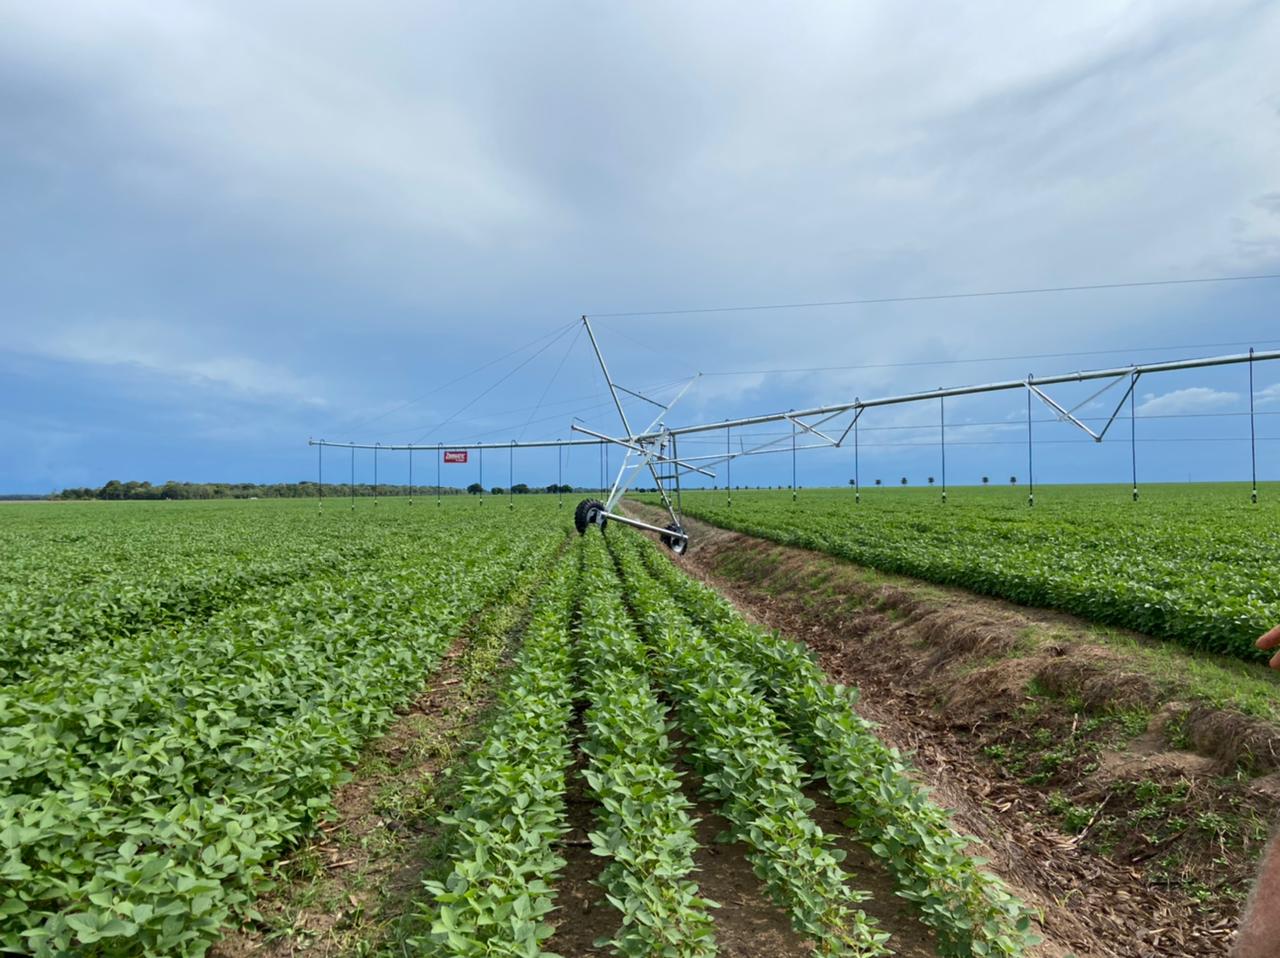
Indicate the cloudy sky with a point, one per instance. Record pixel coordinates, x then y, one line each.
231 226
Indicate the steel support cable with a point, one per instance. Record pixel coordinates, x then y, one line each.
728 465
933 444
857 479
550 382
942 441
982 359
665 356
558 417
938 296
1253 436
457 379
1088 399
475 399
1031 479
1133 436
572 400
809 369
793 460
997 422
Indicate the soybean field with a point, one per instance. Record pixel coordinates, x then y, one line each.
1195 564
186 686
198 699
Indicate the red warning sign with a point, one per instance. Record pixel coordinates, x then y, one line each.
455 455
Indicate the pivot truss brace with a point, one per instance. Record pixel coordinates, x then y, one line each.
654 448
648 451
1068 415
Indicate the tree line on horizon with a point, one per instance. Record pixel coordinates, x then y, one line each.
115 489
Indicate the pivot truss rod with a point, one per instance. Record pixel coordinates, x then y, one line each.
653 448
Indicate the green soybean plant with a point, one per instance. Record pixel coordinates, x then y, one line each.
747 767
644 830
971 910
147 784
497 897
1195 564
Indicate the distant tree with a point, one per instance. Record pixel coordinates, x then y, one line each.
498 491
877 482
904 480
931 480
1013 480
985 480
175 490
520 489
475 489
852 482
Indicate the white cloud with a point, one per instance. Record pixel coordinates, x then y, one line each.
1192 399
286 134
157 350
1267 397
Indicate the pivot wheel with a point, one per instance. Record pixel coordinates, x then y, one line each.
677 543
590 512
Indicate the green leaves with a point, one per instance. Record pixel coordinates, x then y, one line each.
971 910
645 829
1195 564
146 780
495 900
735 742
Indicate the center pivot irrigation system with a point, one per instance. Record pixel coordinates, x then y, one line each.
655 449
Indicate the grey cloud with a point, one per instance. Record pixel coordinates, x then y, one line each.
340 203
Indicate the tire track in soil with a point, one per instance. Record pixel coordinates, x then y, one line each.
1092 906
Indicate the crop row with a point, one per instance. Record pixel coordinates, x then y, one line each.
495 900
971 910
142 792
1202 572
645 831
749 769
753 710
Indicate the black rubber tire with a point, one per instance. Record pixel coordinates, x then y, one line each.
587 514
674 543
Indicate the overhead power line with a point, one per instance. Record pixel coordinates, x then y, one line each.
989 359
936 296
